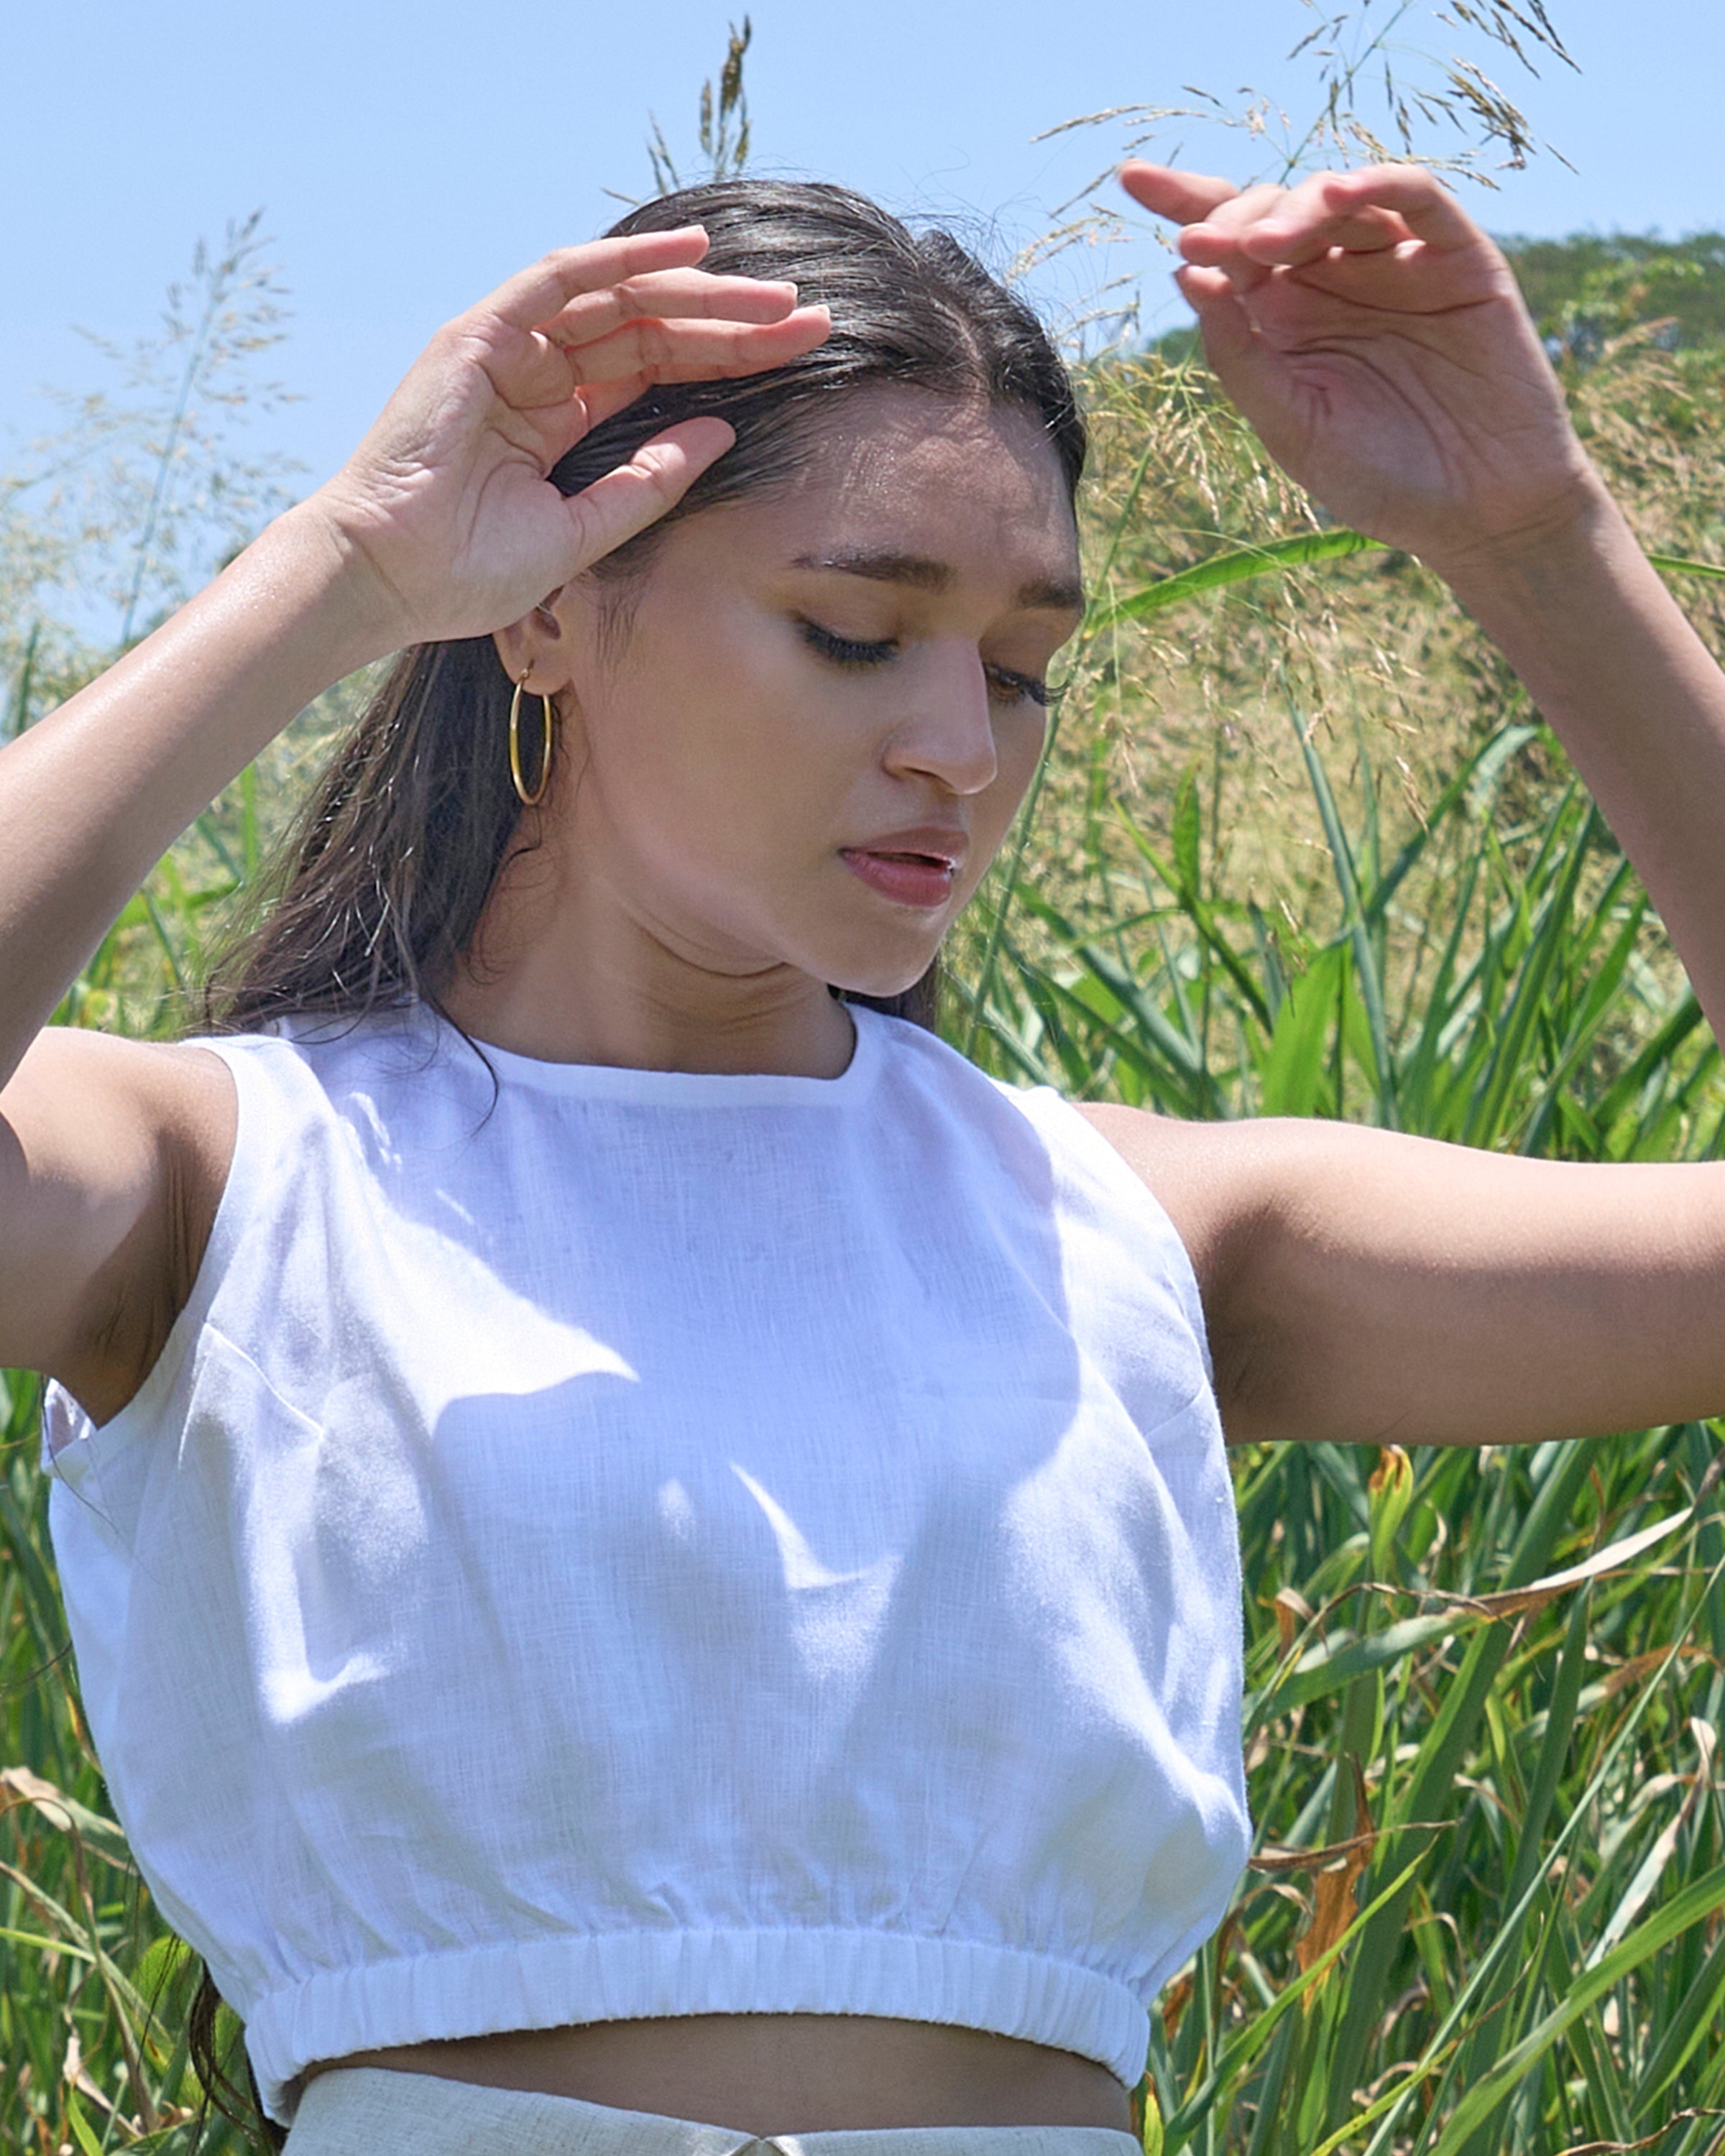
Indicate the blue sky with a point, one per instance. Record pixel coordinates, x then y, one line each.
408 157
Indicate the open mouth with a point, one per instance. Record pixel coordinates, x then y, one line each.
919 880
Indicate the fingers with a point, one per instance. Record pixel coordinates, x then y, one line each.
1229 339
1295 241
1245 363
671 323
599 401
638 494
1359 213
533 376
1427 209
538 294
1186 198
683 293
647 349
1409 279
1247 232
1213 212
678 360
1364 212
1241 212
603 400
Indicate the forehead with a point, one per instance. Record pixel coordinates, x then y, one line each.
880 441
906 472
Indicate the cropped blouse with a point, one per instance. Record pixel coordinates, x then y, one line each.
605 1544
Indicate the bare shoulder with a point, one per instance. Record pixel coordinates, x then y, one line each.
1213 1180
113 1157
177 1072
1364 1286
88 1093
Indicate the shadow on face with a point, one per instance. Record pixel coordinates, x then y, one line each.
797 736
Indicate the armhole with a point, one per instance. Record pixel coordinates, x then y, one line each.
68 1433
1120 1177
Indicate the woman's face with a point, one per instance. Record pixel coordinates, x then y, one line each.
800 739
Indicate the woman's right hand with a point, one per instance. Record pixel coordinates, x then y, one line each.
442 524
444 514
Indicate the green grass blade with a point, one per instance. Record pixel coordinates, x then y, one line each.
1365 958
1693 1905
1273 557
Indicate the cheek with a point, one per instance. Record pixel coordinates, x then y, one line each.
1018 744
712 730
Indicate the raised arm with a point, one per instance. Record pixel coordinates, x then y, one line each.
1361 1286
1378 342
1366 1287
442 524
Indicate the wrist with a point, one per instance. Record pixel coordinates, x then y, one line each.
1577 530
309 568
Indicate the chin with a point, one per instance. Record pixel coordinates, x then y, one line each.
881 981
873 964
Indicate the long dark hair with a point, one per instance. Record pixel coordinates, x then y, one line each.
375 895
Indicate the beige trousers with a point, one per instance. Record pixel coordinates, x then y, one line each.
374 2111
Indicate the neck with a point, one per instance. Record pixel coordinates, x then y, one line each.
572 975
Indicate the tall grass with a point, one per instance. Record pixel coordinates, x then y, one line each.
1297 846
1485 1691
1487 1908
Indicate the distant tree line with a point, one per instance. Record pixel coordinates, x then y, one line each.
1593 286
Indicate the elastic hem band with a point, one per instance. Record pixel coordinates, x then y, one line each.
641 1975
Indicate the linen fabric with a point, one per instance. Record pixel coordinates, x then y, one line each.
371 2111
607 1543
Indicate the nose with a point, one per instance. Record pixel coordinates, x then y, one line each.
948 732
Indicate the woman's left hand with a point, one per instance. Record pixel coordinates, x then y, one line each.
1377 341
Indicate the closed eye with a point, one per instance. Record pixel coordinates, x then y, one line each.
1009 687
846 651
1006 686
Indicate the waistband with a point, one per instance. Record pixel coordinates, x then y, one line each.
374 2111
640 1974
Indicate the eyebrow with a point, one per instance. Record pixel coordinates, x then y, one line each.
923 574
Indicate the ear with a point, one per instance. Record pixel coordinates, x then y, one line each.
539 648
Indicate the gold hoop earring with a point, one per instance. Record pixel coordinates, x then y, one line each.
549 715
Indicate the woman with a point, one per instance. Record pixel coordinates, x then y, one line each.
649 1552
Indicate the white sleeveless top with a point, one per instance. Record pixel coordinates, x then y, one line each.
659 1543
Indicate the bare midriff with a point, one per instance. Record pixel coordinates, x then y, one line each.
783 2073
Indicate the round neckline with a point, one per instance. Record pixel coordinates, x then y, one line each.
626 1082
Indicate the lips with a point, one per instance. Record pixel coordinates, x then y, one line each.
915 866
